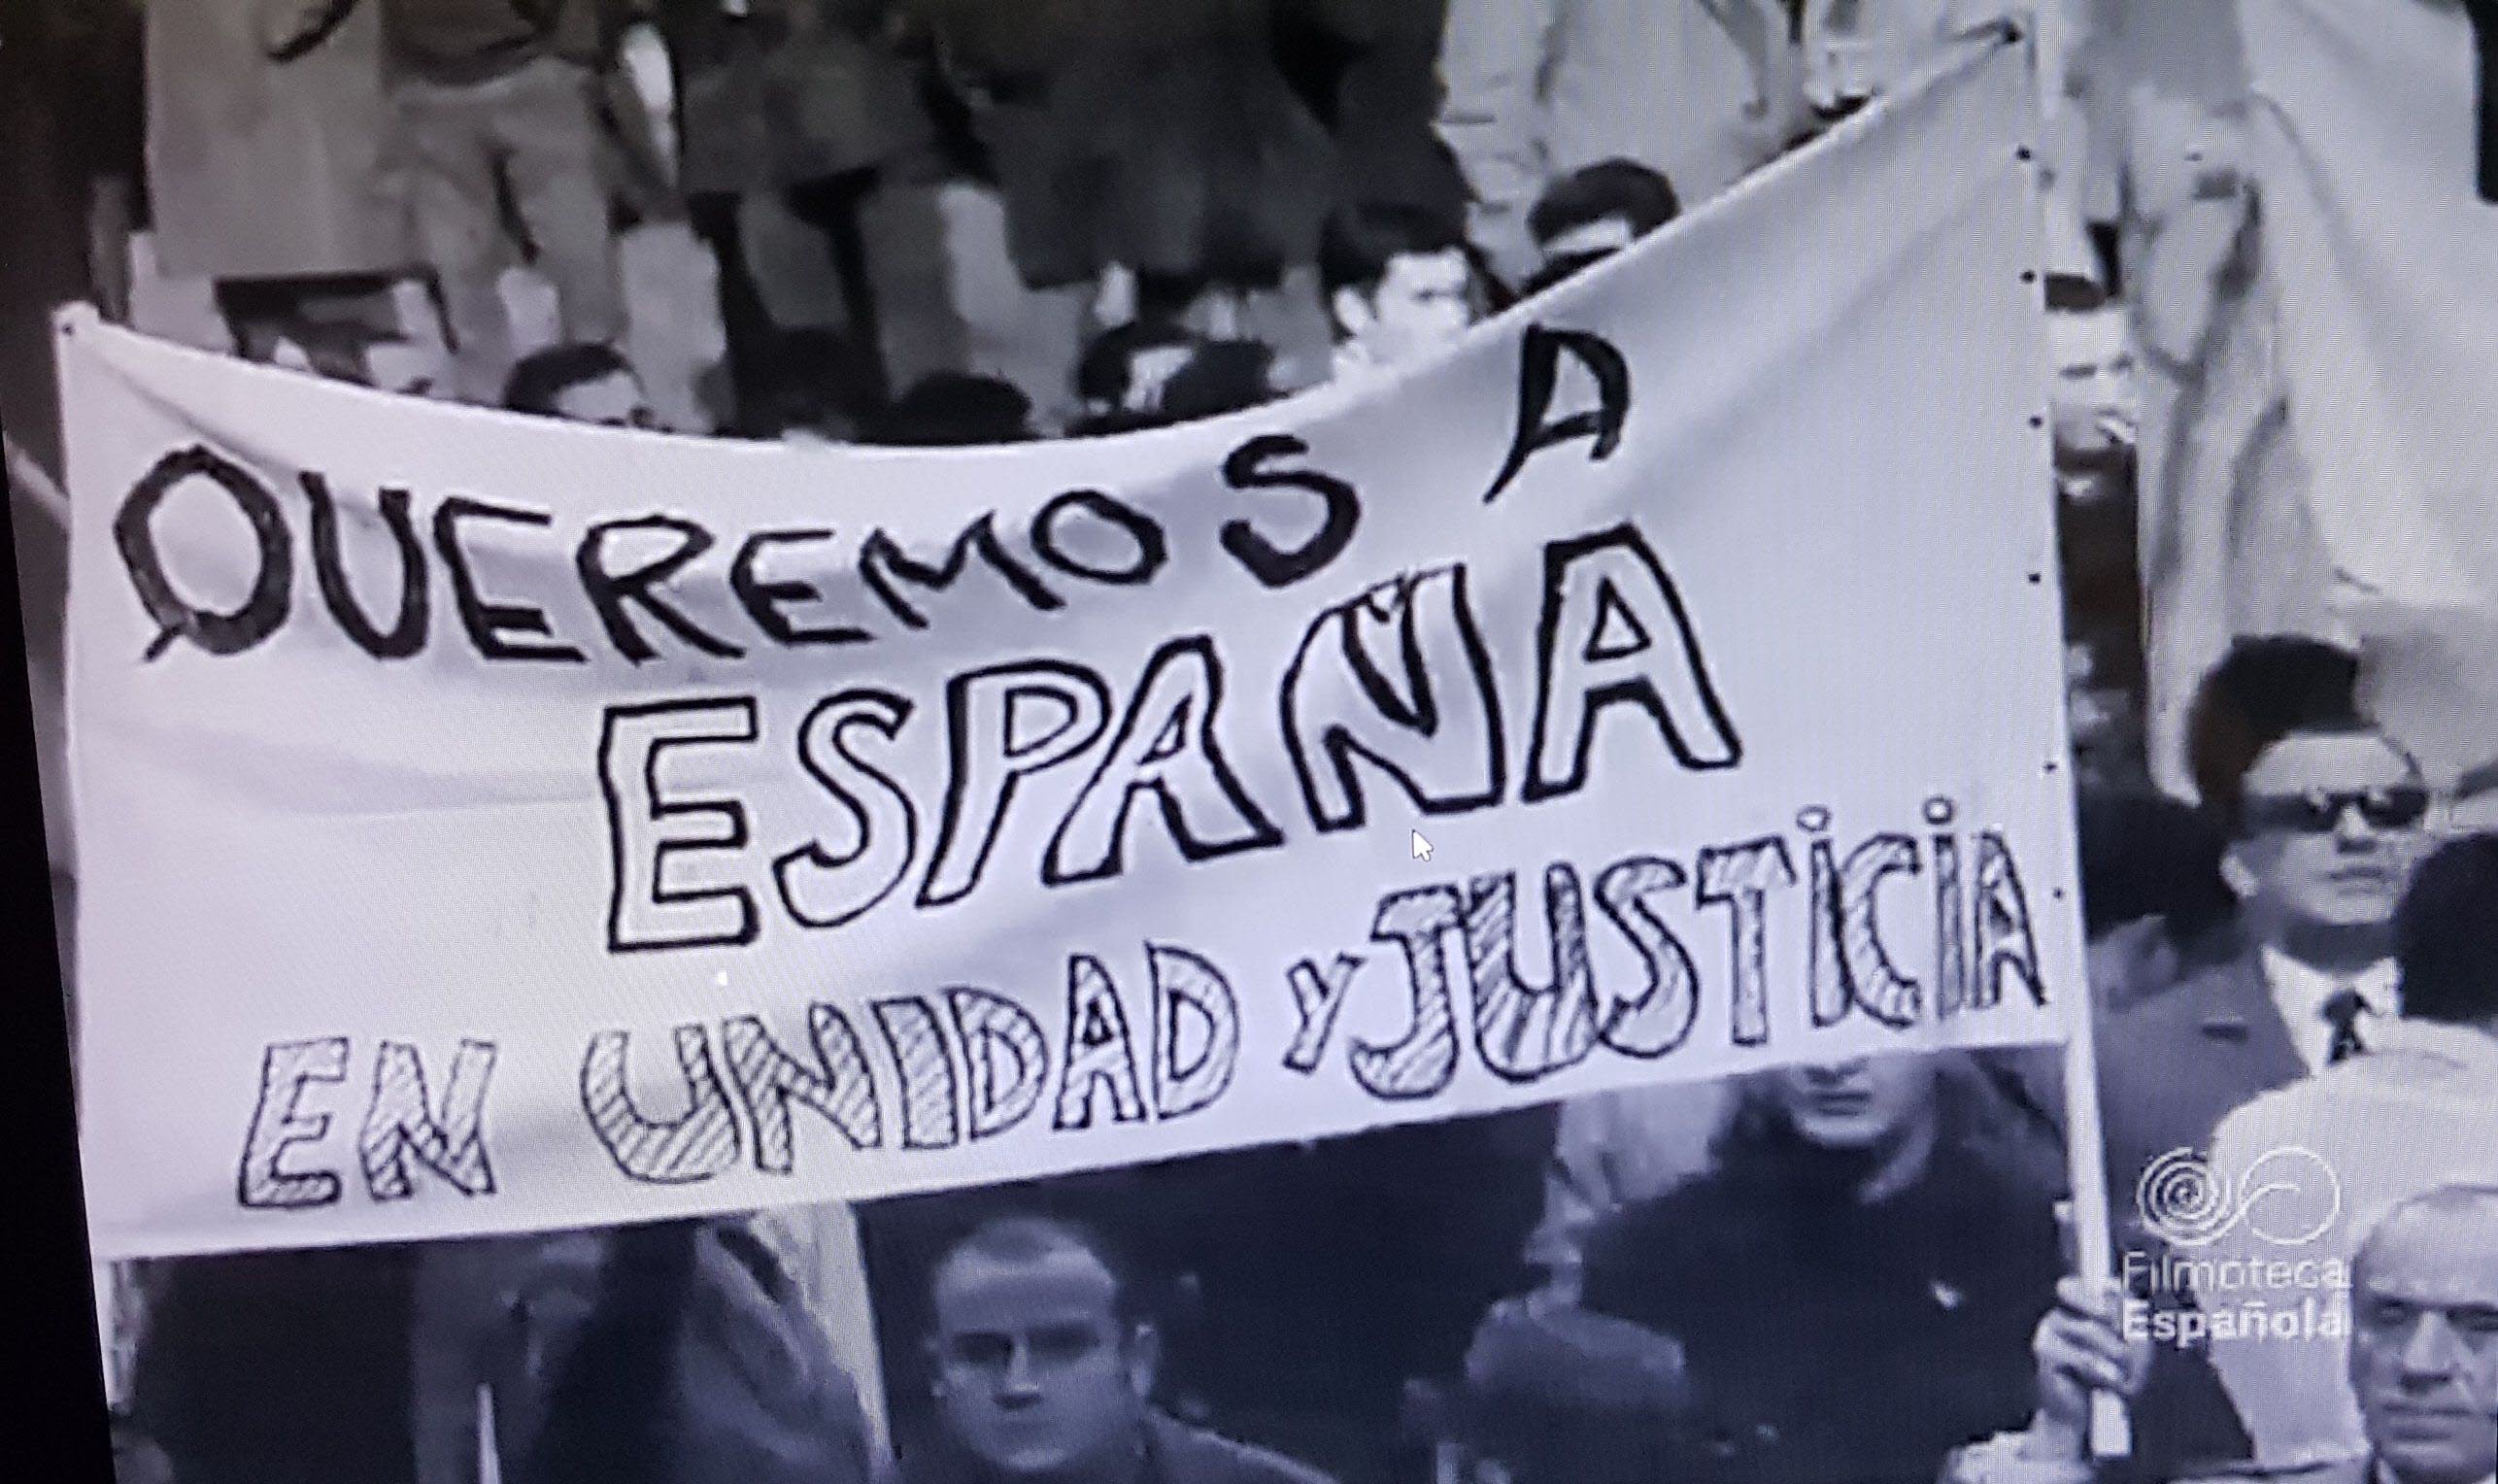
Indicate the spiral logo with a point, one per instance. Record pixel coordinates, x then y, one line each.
2287 1198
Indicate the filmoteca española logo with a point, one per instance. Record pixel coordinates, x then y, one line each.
2287 1197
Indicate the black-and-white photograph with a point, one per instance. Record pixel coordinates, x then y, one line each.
1266 741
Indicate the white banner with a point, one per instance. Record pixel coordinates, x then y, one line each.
2381 228
491 824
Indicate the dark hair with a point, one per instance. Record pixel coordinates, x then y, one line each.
2265 690
541 376
957 409
1108 370
2069 293
1568 265
809 377
1609 187
1224 376
1361 242
1016 1232
2443 936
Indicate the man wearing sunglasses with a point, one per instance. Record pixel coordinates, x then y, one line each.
2324 817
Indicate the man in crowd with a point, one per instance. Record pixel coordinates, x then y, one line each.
493 103
1835 1319
1593 213
582 381
2092 409
2324 815
2415 1113
2423 1360
1043 1366
1702 90
1399 285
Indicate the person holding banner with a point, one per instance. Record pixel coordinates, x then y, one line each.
1836 1317
2423 1361
2323 816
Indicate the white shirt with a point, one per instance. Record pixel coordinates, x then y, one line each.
2415 1113
2300 992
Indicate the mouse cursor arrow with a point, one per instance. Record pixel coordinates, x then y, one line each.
1422 847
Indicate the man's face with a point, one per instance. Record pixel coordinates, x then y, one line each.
613 400
2424 1341
2094 400
1422 303
1866 1103
1036 1374
2332 830
1602 237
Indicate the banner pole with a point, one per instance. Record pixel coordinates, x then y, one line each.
2094 1244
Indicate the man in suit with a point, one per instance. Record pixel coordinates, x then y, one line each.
2423 1359
2324 818
2324 815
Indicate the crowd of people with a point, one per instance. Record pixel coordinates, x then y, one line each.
1850 1272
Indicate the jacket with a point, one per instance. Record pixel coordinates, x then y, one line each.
763 103
1157 134
1175 1453
1916 1336
258 168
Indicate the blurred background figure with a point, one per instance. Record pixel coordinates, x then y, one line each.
345 350
1222 377
1123 375
813 110
494 116
953 409
811 387
1399 286
580 383
2093 411
1593 213
1702 91
274 162
1152 157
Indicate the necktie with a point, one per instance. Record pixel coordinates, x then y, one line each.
2342 1012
